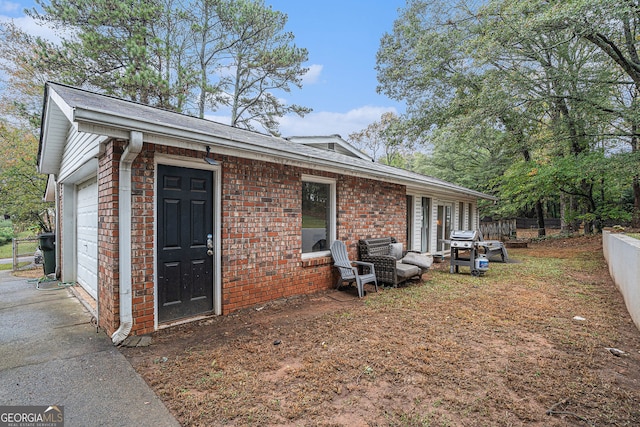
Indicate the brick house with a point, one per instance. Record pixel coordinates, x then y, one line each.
163 218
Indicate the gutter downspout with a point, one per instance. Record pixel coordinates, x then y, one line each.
124 236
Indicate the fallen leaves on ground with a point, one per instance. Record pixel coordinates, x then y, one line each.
450 350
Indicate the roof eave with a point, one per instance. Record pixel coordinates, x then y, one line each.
52 137
120 127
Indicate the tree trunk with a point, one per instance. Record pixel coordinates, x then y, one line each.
574 225
540 215
539 208
564 225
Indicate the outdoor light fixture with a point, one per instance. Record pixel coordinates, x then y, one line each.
209 159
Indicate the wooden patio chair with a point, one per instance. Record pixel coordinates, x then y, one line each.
349 269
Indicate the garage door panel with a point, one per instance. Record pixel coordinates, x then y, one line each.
87 237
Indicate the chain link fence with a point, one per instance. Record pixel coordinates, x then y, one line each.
24 252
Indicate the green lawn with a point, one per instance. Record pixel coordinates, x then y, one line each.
6 250
309 221
9 267
25 248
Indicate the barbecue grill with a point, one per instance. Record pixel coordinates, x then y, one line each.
467 241
464 238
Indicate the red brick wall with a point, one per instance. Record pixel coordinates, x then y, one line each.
261 231
261 240
142 241
108 254
368 208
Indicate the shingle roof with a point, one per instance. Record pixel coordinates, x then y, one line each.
118 114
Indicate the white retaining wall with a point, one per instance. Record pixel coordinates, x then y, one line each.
622 254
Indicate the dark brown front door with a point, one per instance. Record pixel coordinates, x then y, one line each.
185 220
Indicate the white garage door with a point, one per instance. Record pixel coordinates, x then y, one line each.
87 236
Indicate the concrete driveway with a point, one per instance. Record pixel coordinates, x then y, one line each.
51 354
20 259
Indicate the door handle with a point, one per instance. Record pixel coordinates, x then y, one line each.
210 244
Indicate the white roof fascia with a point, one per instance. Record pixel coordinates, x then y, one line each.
81 173
53 135
65 108
121 126
56 124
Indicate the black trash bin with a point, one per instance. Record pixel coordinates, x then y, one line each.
48 248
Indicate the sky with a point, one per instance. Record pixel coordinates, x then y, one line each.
342 38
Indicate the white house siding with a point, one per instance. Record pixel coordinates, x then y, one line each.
468 215
81 149
473 219
414 239
417 224
434 225
465 216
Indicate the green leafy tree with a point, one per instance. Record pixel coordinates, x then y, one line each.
21 84
519 97
209 22
611 26
453 103
422 61
110 47
6 231
22 187
386 141
564 78
174 54
185 56
263 60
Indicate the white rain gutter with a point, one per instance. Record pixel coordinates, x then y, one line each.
124 236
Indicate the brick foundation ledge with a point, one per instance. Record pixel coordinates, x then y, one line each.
315 262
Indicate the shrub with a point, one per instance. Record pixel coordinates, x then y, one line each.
6 231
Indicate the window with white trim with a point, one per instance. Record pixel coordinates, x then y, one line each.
318 215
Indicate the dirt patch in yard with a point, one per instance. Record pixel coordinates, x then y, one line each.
526 344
